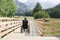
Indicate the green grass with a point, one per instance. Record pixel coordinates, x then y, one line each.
28 17
21 18
3 20
57 33
51 33
48 24
52 25
58 20
49 27
48 33
56 24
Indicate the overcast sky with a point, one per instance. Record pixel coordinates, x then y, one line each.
44 3
53 1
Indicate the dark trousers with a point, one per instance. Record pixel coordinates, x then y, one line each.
28 29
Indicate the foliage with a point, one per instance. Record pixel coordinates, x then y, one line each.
38 12
54 12
28 13
37 7
41 14
7 8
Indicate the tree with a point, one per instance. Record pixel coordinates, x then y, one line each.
28 13
7 8
54 12
41 14
37 7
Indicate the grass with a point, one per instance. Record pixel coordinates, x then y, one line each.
56 24
3 21
28 17
49 26
57 33
57 20
47 32
21 18
52 25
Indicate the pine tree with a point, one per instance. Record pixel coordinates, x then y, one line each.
37 7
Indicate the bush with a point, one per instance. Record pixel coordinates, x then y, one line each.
41 14
7 8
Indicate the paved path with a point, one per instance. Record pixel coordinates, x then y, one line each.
33 29
34 34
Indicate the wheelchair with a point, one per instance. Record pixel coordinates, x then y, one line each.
27 29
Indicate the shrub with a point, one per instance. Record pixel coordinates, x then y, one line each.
41 14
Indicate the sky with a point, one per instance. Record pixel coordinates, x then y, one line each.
53 1
44 3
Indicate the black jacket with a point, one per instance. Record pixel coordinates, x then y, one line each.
25 24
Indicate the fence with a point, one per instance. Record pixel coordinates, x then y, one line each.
8 19
8 27
51 29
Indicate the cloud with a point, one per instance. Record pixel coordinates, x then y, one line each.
44 3
23 1
55 1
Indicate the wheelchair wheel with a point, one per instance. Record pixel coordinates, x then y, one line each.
21 30
28 30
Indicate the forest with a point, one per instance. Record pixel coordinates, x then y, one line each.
8 9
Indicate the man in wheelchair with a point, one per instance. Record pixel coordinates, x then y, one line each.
25 26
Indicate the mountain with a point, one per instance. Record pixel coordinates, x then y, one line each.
31 4
45 5
21 7
58 6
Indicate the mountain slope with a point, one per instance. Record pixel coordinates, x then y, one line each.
45 5
31 4
21 7
58 6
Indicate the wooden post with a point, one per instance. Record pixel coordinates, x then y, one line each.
0 31
7 26
52 27
11 24
0 20
14 22
43 26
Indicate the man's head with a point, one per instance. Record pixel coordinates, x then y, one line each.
25 18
